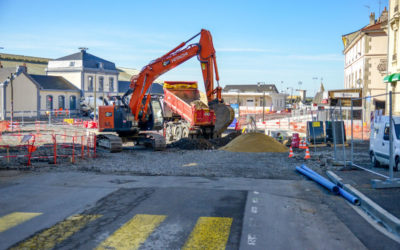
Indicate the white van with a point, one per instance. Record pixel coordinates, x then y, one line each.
379 142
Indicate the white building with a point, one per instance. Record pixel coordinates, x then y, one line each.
250 98
365 52
86 72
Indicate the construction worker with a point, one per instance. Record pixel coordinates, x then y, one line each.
279 137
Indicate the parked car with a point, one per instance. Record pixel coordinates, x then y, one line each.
379 142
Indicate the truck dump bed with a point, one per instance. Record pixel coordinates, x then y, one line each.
183 98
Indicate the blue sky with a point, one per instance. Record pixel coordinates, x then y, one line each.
256 41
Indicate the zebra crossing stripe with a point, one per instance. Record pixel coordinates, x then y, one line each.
49 238
209 233
133 233
14 219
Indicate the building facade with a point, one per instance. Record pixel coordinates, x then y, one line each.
254 98
87 72
393 76
33 95
365 53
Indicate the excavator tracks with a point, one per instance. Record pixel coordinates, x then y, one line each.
110 142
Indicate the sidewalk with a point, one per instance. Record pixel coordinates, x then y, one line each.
383 204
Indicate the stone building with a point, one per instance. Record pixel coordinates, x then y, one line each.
86 72
33 95
365 52
393 76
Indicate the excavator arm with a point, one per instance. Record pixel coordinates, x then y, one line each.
205 52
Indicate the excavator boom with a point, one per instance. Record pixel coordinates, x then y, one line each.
205 52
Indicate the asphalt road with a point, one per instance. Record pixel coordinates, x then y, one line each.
75 210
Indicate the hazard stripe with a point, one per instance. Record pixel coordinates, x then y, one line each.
209 233
49 238
133 233
14 219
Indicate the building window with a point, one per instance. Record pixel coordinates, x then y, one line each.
72 102
101 83
71 64
61 102
90 83
49 102
111 81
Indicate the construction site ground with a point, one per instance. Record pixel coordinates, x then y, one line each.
203 160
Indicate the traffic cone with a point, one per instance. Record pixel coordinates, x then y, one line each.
307 154
291 152
301 146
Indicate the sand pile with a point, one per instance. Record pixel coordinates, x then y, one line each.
254 142
202 144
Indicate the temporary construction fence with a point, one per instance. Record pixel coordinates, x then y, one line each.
390 181
56 117
298 123
44 144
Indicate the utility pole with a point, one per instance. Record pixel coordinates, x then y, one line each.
12 101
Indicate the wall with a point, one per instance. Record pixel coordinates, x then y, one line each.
277 101
96 77
25 94
354 63
56 94
72 77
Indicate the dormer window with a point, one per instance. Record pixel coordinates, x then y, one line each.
71 64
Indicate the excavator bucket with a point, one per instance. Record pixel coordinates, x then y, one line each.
224 115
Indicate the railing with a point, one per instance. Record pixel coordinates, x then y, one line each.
37 144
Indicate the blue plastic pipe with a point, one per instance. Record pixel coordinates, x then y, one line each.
351 198
319 179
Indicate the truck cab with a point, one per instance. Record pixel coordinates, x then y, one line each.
379 142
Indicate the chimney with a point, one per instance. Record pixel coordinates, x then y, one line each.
372 18
384 16
21 68
83 49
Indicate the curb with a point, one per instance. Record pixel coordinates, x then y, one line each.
390 221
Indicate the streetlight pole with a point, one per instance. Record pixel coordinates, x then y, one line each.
263 110
12 101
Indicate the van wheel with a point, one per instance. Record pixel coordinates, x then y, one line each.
396 164
375 163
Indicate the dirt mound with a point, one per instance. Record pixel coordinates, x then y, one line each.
203 144
254 142
192 144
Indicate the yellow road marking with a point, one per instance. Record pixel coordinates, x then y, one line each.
133 233
209 233
57 233
14 219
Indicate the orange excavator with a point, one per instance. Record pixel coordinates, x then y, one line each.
139 112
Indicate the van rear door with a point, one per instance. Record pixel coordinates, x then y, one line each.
382 146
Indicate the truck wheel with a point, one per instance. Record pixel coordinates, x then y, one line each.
185 132
396 164
178 133
375 162
168 133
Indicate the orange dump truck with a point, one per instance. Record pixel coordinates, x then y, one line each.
184 113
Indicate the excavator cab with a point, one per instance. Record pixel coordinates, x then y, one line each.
154 117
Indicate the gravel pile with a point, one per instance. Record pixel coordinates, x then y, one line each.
192 144
203 144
